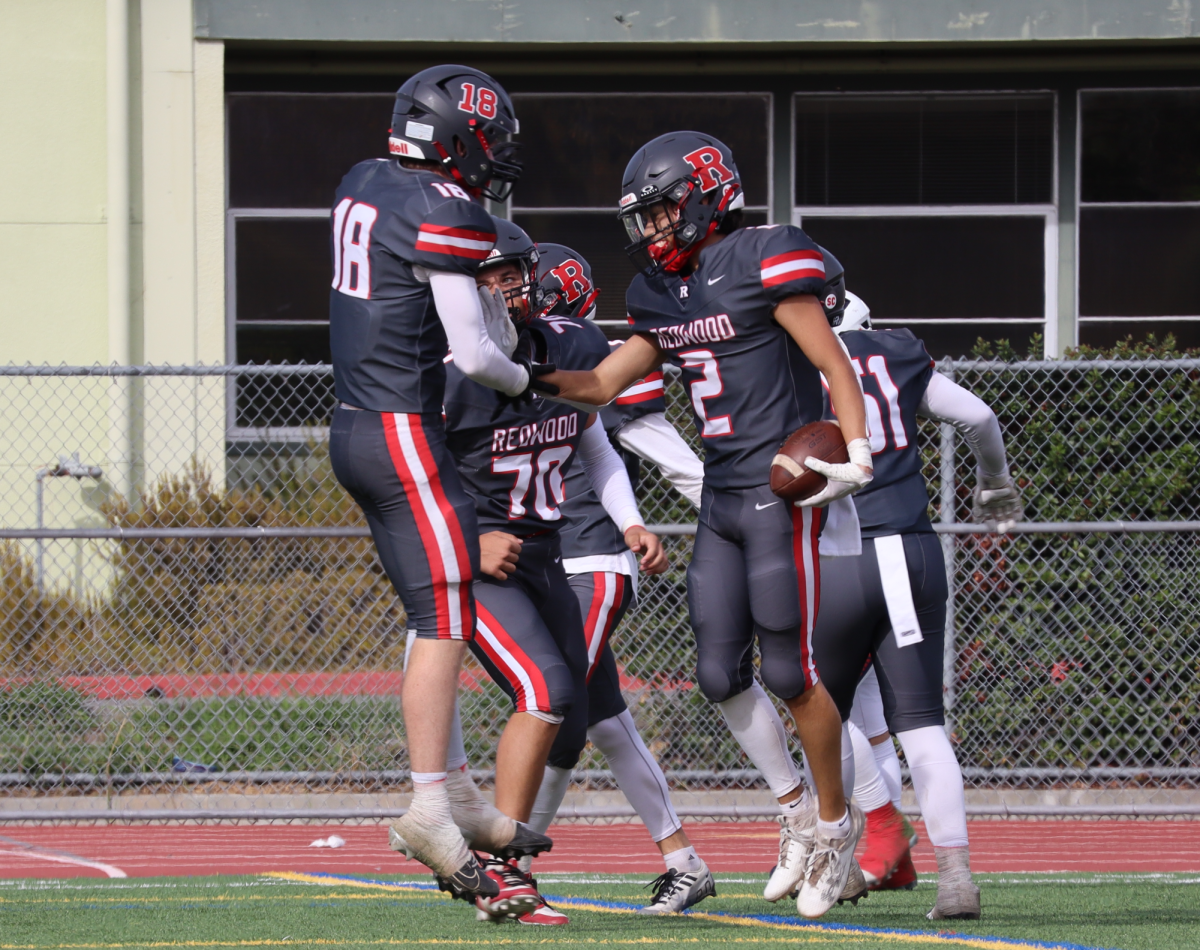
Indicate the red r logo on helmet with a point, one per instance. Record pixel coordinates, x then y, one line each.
709 168
574 283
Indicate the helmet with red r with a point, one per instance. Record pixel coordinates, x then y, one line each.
677 190
564 285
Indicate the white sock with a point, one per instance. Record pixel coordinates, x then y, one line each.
752 719
549 797
870 788
835 829
637 773
683 860
937 780
430 798
796 805
889 767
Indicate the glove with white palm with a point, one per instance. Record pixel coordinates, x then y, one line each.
844 478
997 499
497 322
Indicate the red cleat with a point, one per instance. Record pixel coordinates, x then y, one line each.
518 895
544 916
904 878
887 845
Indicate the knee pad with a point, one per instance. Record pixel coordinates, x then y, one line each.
784 679
716 682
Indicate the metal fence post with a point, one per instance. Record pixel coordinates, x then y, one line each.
949 501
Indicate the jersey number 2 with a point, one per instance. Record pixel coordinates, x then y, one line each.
707 388
352 223
548 485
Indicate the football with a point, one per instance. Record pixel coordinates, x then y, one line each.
790 480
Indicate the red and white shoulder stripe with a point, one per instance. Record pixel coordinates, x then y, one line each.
794 265
458 242
649 388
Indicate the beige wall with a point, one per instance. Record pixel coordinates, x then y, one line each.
56 247
52 181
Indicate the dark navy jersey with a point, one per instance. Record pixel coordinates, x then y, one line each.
588 530
751 386
387 341
895 369
515 458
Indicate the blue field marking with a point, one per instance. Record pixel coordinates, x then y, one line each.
774 921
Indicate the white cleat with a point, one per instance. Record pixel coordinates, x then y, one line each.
829 867
676 891
796 836
441 848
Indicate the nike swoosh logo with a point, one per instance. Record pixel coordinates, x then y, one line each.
767 505
715 279
557 559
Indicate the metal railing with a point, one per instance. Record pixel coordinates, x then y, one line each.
212 601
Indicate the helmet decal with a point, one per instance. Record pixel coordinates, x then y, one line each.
572 278
710 170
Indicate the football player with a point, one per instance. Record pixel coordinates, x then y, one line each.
603 574
887 606
408 234
513 457
738 310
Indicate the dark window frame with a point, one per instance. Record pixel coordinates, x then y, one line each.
1151 322
1049 212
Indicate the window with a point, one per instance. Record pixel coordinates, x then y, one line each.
939 206
575 148
1139 216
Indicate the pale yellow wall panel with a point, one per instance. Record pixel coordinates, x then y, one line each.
52 111
52 293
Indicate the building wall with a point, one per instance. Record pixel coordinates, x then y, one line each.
52 182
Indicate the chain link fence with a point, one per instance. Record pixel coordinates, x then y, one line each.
193 620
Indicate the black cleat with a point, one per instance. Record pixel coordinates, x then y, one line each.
525 842
468 882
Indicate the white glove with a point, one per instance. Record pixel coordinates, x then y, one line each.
844 478
497 321
997 499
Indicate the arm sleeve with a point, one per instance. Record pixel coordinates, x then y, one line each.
946 401
791 263
653 438
475 354
608 476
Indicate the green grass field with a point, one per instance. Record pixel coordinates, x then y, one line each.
1130 912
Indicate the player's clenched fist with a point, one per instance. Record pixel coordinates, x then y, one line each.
499 552
640 541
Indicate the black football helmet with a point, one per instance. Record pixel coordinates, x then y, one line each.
460 117
833 295
685 176
564 284
514 246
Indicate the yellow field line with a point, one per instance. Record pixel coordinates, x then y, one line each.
842 931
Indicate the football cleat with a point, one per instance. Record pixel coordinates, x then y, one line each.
516 895
828 868
468 883
887 844
525 843
441 849
904 878
543 915
856 886
957 895
675 891
796 835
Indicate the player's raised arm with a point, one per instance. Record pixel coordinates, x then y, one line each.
804 320
654 439
610 481
633 360
996 495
